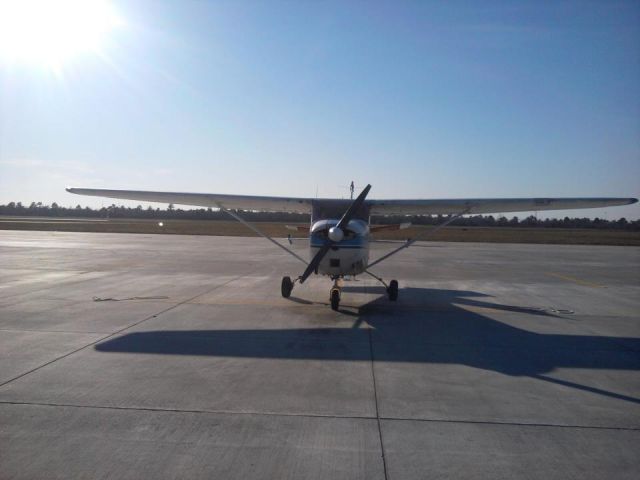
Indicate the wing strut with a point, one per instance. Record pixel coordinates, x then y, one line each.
408 243
255 229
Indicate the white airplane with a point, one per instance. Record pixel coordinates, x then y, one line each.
340 230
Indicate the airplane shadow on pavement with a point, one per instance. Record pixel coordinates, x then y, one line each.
425 325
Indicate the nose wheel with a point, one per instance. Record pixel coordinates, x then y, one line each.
335 299
335 293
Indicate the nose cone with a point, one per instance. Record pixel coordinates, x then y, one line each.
336 234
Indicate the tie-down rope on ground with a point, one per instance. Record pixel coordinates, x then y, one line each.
111 299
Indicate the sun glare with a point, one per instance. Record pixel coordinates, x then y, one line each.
49 33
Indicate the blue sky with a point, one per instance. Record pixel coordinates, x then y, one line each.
420 99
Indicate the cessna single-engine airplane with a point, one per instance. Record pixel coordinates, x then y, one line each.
340 230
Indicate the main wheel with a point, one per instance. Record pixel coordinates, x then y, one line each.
335 298
393 290
286 286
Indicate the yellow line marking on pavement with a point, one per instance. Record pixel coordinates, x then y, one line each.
576 280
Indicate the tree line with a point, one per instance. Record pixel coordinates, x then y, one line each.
38 209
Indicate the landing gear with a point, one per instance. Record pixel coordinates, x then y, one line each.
335 299
392 290
334 295
286 287
336 291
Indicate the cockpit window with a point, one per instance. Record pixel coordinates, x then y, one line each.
336 208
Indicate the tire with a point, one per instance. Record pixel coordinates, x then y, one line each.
393 290
286 286
335 299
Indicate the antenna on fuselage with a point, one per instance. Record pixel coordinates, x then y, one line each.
351 188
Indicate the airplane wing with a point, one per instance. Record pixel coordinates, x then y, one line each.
377 207
489 205
213 200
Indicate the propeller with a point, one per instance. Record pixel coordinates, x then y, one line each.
335 234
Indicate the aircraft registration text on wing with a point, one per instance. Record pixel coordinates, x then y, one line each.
340 230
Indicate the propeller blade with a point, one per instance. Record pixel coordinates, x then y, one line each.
313 265
353 208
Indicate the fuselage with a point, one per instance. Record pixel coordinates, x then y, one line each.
349 256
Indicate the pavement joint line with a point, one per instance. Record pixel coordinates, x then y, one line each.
317 415
617 341
569 278
375 397
117 332
112 273
51 331
67 301
513 424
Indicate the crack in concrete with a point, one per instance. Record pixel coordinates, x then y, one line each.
321 415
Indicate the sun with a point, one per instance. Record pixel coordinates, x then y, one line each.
48 33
